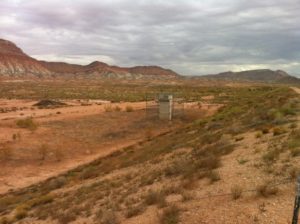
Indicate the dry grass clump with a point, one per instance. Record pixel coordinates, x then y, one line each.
108 108
259 134
129 108
279 131
42 151
109 217
134 210
5 220
5 153
186 196
117 108
294 172
236 192
20 213
265 130
154 197
271 155
295 152
27 123
65 217
239 138
170 215
88 173
293 143
214 176
266 190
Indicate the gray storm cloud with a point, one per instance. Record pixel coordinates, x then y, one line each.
190 36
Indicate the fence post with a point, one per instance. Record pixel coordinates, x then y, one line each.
297 202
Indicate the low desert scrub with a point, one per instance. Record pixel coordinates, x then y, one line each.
175 168
149 178
279 131
295 152
117 108
20 213
134 210
108 108
129 108
294 139
213 176
265 130
5 153
270 156
58 154
239 138
27 123
41 200
89 172
242 161
236 192
170 215
153 197
186 196
109 217
56 183
5 220
293 125
42 151
259 134
65 217
266 190
172 189
294 172
149 134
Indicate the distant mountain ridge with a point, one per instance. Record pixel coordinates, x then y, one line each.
259 75
15 63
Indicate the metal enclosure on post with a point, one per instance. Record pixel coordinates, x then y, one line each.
164 106
165 102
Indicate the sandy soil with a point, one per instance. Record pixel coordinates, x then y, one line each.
77 134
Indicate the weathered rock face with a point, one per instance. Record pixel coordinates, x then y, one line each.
15 63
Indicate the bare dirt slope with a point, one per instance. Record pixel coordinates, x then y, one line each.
70 136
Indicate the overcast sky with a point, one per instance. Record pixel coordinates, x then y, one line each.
192 37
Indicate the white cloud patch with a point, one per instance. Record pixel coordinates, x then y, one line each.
190 36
